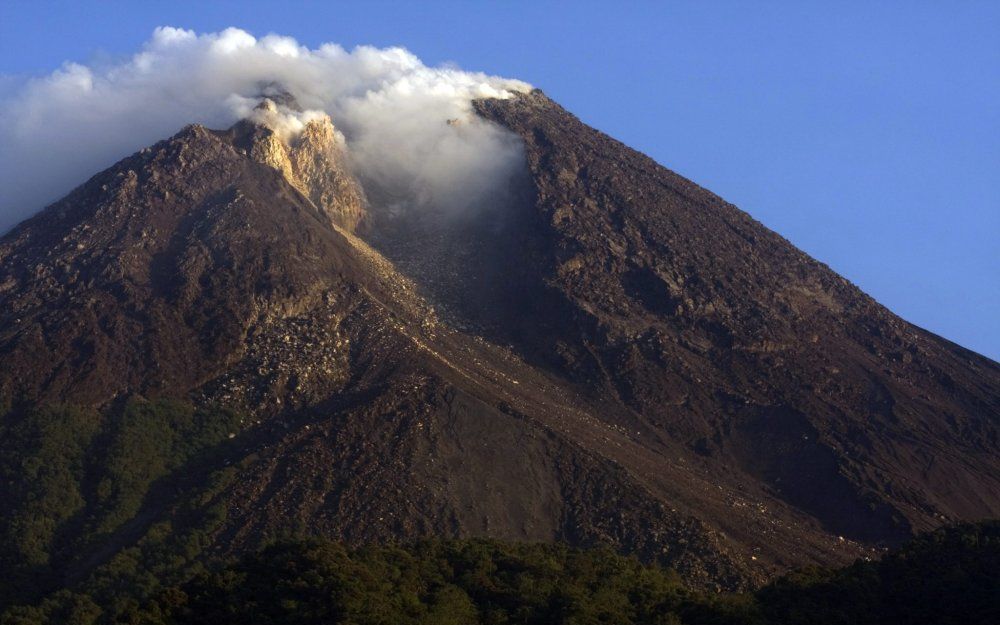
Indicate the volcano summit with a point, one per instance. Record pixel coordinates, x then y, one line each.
238 334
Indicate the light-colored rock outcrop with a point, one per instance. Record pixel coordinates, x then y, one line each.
312 157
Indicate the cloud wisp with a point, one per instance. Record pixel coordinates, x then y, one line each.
57 130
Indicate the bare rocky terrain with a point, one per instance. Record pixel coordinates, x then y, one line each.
608 354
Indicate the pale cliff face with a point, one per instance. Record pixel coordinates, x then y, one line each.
312 158
319 164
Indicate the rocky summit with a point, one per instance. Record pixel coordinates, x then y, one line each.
228 337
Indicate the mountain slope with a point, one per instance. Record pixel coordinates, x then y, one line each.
720 333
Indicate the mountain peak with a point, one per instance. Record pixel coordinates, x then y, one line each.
267 105
620 356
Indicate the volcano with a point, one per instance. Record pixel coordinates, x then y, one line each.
230 336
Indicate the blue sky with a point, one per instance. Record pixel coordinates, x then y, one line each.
867 133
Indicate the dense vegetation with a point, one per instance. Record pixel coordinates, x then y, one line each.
76 484
79 544
947 577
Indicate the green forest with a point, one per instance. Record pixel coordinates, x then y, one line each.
75 482
948 577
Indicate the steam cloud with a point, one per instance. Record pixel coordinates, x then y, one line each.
394 111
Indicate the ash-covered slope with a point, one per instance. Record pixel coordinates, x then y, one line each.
605 354
148 278
719 333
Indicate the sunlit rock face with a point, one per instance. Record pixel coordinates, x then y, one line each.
311 154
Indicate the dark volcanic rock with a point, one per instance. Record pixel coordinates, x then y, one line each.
720 333
148 278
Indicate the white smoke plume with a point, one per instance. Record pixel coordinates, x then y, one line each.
398 115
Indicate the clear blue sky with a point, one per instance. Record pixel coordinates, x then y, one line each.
867 133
